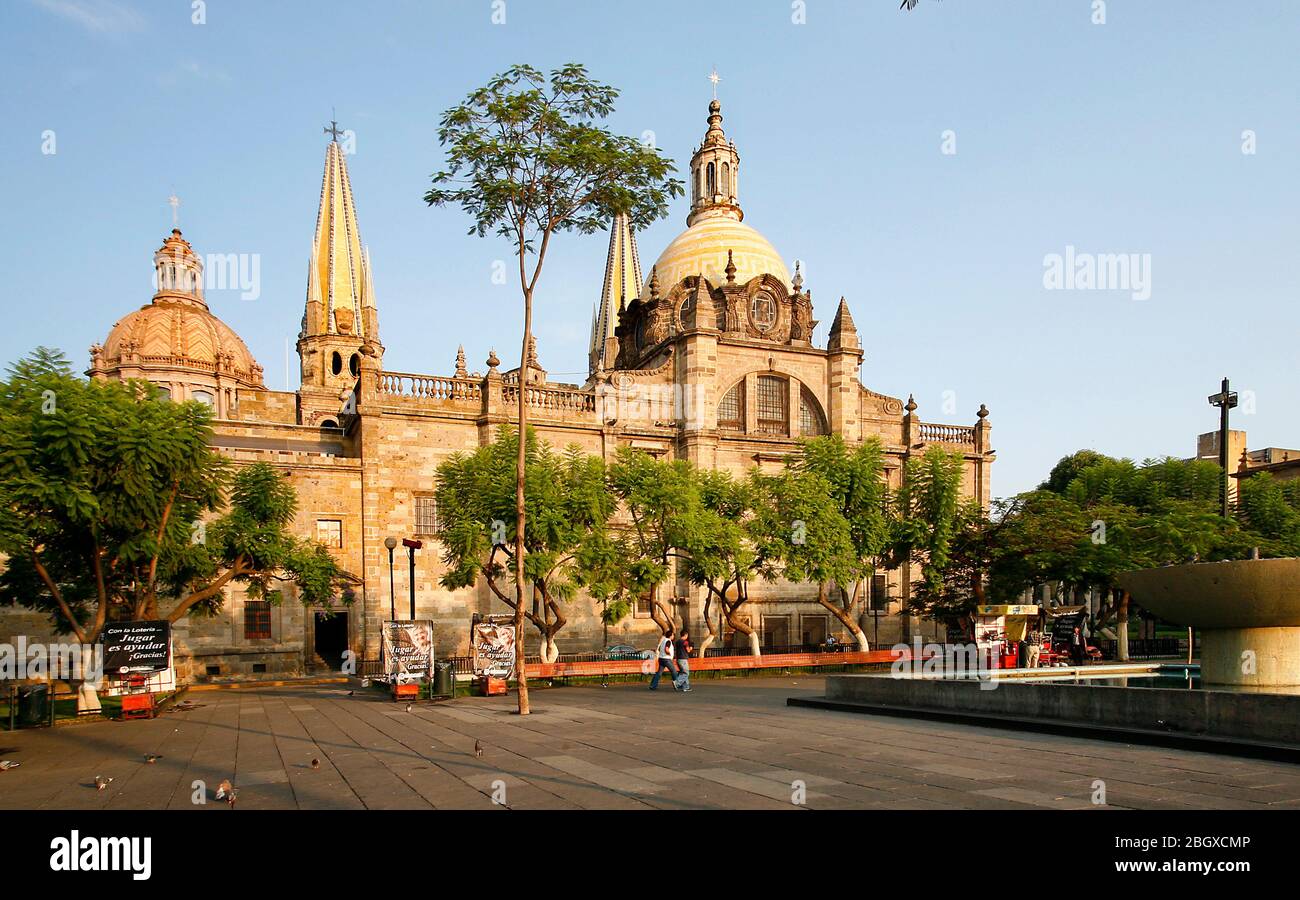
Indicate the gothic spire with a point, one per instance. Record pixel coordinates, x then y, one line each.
340 293
715 168
622 286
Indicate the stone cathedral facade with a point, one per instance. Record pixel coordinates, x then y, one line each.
709 357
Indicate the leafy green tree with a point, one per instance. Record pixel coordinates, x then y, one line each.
925 512
526 159
566 546
1270 510
661 510
855 484
117 507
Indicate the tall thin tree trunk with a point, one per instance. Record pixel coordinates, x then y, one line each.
1121 627
520 675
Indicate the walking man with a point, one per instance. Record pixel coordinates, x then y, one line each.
664 660
682 650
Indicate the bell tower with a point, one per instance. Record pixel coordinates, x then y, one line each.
340 317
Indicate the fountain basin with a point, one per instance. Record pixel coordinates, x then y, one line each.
1248 613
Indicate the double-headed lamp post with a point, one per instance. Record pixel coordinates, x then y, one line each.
411 546
391 544
1224 400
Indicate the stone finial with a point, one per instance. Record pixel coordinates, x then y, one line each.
654 282
492 361
911 404
797 283
461 371
731 268
532 352
983 413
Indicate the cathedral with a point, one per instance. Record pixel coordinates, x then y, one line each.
707 357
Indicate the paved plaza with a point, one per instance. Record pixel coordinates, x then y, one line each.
729 744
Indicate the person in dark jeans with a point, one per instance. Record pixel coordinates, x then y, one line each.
664 660
682 650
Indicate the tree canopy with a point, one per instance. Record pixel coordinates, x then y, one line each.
119 508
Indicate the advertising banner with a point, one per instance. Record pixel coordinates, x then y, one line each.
408 651
132 648
492 647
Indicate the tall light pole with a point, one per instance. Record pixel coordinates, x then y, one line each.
391 544
1224 400
411 546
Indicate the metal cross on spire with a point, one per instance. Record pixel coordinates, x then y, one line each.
175 203
713 76
334 130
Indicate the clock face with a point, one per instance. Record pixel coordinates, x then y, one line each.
762 311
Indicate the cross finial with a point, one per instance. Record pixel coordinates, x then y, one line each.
714 77
334 130
175 203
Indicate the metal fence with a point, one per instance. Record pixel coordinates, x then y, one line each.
1148 648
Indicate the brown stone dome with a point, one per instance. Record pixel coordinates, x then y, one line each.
176 342
180 337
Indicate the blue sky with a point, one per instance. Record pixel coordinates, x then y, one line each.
1124 137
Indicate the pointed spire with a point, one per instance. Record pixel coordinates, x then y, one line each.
731 268
339 283
844 334
622 285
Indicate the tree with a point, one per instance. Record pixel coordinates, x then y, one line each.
526 160
661 507
115 502
801 526
566 548
924 513
855 484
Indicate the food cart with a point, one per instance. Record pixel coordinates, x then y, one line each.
999 629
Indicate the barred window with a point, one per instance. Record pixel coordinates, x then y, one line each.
811 421
731 411
330 532
773 417
643 607
426 515
257 620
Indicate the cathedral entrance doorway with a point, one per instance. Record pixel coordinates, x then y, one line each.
331 638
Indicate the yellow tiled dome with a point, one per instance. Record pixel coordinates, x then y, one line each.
703 247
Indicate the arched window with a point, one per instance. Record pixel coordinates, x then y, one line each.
731 411
811 421
699 184
726 179
713 180
336 364
773 408
203 397
354 364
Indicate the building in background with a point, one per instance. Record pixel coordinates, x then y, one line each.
710 357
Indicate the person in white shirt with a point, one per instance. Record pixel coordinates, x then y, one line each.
664 661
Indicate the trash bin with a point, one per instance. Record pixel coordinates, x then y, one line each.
444 679
33 705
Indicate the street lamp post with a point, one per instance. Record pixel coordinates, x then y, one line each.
411 546
391 544
1224 400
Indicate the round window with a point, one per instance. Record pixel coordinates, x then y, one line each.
763 312
336 364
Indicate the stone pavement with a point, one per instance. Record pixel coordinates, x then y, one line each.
729 744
